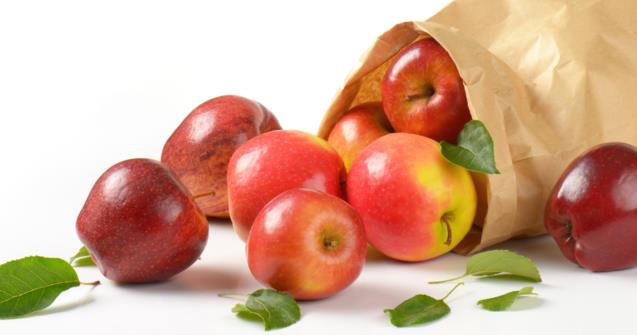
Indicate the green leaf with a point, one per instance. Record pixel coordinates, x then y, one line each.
244 313
33 283
497 263
82 258
275 309
474 150
417 310
505 301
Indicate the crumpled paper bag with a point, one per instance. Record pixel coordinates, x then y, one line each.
548 78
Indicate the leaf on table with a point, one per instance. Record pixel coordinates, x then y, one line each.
82 258
32 283
275 309
474 150
502 262
503 302
417 310
498 263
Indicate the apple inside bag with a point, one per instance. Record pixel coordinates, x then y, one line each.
540 78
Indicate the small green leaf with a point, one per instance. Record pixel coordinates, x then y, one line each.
474 150
499 262
419 309
244 313
505 301
82 258
275 309
33 283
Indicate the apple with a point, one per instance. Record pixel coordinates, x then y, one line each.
307 243
359 127
592 210
274 162
414 203
140 223
199 149
423 93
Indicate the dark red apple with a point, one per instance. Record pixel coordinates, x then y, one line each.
274 162
307 243
592 211
140 223
423 93
199 150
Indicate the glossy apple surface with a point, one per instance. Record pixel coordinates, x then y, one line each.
592 211
140 223
415 204
423 93
359 127
307 243
199 149
274 162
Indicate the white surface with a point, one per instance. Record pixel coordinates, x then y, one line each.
84 85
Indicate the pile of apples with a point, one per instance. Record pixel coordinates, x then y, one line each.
305 207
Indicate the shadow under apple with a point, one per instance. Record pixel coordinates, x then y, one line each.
200 279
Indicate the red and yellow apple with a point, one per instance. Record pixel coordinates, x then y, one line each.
423 92
141 224
274 162
307 243
414 203
359 127
199 149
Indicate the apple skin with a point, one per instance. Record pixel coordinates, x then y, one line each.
359 127
140 224
274 162
423 92
405 191
592 210
307 243
199 149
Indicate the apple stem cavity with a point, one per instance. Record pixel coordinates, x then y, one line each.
428 93
453 289
330 241
445 220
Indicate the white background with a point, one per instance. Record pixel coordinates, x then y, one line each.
84 85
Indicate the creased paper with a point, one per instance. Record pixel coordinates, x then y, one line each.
548 78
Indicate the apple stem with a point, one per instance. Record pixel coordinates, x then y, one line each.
445 220
429 91
197 196
447 280
453 289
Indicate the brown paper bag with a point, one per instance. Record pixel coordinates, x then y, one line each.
548 78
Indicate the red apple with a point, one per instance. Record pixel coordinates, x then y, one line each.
274 162
415 204
423 93
358 128
140 224
592 211
307 243
200 148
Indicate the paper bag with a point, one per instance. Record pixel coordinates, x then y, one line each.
549 79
